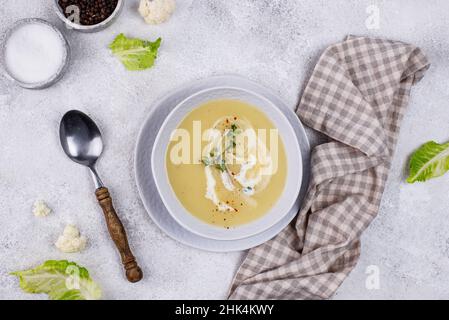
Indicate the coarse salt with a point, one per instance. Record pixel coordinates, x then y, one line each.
34 53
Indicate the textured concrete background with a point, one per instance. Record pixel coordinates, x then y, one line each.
275 42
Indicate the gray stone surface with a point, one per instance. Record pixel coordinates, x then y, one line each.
275 42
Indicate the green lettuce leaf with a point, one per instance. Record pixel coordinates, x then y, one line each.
61 280
431 160
135 54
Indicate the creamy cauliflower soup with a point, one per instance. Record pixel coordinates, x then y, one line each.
226 163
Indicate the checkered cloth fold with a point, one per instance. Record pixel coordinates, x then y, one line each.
357 97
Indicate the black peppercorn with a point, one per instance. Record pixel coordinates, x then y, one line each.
91 11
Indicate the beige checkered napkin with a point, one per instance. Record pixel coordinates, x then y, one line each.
356 96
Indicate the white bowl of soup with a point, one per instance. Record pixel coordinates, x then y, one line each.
227 164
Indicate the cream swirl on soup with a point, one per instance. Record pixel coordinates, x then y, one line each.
236 157
237 172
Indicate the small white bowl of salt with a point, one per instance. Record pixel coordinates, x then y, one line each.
35 53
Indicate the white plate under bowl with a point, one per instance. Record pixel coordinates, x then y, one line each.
286 134
145 180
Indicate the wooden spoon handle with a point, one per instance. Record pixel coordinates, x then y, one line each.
118 234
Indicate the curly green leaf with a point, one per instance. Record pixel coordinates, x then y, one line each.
431 160
61 280
135 54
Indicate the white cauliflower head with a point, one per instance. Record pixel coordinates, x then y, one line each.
71 241
41 209
156 11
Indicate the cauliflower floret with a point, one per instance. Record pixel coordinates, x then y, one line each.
156 11
40 209
71 241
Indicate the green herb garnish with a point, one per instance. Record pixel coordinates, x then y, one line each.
219 161
221 166
206 161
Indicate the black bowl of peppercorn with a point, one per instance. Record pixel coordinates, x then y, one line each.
88 15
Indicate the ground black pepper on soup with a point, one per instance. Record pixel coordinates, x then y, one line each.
90 12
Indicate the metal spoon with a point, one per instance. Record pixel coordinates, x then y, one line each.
81 141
